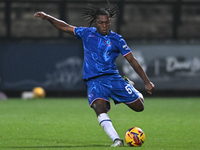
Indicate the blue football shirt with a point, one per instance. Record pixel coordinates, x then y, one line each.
100 52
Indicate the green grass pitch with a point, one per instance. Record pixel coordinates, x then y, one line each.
69 123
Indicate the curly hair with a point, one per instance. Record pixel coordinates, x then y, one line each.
91 12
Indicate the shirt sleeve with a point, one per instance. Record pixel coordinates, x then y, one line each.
79 31
123 47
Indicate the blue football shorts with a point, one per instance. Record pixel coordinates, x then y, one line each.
111 86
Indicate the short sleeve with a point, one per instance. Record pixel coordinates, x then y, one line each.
79 31
123 47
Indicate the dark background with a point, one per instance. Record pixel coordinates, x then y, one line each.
163 34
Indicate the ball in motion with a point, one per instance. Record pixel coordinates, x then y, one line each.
38 92
134 136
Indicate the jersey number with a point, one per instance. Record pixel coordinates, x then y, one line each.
129 88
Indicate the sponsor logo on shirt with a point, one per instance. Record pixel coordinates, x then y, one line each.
91 35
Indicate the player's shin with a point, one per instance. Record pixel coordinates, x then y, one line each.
106 124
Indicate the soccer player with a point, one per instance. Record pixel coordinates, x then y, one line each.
101 47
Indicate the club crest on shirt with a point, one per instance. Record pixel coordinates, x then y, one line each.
108 42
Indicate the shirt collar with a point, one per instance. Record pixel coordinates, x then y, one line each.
94 31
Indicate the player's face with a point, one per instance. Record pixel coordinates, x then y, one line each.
102 24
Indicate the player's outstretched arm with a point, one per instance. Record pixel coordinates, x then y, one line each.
137 67
59 24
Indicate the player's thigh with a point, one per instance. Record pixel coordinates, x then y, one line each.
123 91
97 97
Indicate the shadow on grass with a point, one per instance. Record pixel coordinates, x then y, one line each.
56 146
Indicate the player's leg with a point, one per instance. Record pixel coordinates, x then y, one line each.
100 107
124 92
137 105
98 97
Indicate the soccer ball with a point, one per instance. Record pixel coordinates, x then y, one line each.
134 136
38 92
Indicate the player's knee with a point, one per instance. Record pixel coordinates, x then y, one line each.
141 105
139 108
99 106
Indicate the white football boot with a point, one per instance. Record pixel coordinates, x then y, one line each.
118 143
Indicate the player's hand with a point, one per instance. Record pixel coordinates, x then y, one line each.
149 87
41 15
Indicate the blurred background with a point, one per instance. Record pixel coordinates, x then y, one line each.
164 36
